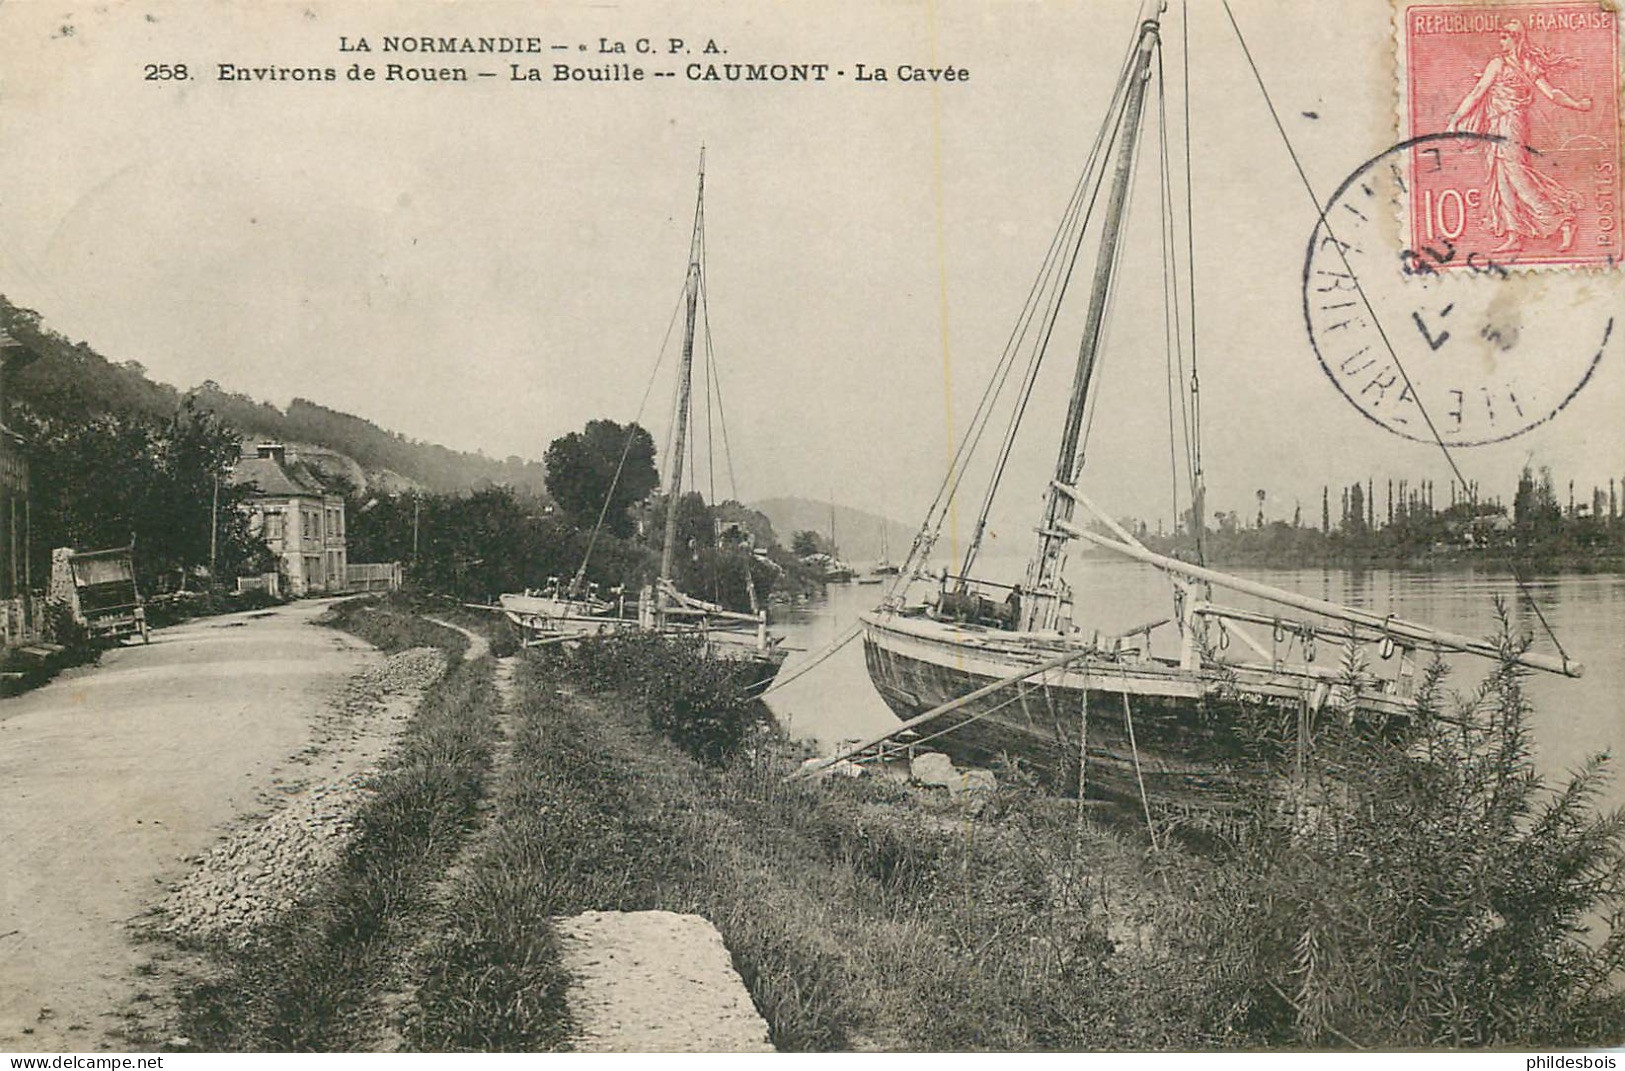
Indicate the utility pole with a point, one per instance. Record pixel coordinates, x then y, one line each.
214 532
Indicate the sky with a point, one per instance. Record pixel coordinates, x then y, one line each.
490 264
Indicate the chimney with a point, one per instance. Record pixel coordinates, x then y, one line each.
274 451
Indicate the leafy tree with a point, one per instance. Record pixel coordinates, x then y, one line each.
106 481
582 473
805 542
1536 515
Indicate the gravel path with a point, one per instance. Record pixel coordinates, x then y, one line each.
115 774
265 868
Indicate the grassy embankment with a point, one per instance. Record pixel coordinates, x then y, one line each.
860 914
1441 904
305 982
869 915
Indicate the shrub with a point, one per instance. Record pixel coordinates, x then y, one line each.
695 700
1431 891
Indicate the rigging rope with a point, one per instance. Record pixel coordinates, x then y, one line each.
846 637
1075 221
1382 334
1187 423
1195 438
1092 403
929 530
1170 290
722 412
631 435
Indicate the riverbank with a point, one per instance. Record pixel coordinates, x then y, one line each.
863 913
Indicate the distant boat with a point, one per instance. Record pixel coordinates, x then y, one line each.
831 570
983 670
885 566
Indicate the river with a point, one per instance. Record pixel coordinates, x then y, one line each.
1572 720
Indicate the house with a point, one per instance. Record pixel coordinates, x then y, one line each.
299 519
20 620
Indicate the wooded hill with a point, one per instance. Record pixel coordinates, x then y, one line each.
71 381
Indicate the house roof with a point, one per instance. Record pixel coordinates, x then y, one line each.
271 478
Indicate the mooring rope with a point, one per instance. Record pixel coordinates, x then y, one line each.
1139 775
846 637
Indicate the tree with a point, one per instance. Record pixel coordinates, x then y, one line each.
1535 512
805 542
602 469
107 481
1355 522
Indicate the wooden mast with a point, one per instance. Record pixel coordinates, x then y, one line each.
674 481
1043 575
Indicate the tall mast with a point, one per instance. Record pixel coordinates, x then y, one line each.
1043 575
674 481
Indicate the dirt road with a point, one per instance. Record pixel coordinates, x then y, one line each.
112 775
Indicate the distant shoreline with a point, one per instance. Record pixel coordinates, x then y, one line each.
1524 564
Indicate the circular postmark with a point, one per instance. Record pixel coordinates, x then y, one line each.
1436 336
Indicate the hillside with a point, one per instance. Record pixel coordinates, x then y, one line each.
70 380
857 532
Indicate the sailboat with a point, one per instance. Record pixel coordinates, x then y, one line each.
982 670
575 611
740 639
558 612
885 566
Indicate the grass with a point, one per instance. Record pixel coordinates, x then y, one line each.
392 624
306 982
860 915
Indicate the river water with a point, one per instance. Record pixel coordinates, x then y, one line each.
1572 720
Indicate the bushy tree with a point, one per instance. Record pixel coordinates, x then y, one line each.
582 472
107 481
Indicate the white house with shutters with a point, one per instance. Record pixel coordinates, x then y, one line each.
299 519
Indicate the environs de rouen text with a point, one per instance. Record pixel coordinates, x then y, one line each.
597 60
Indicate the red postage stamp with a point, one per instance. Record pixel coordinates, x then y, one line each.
1527 97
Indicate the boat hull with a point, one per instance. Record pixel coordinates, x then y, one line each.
754 670
1188 744
544 619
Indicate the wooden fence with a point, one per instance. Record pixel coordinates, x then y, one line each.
372 576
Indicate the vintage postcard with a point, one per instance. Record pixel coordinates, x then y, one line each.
672 526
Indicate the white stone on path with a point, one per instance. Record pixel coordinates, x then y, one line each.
655 981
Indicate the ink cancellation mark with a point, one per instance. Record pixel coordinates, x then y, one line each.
1444 339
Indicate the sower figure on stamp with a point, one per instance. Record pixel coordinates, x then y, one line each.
1519 201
